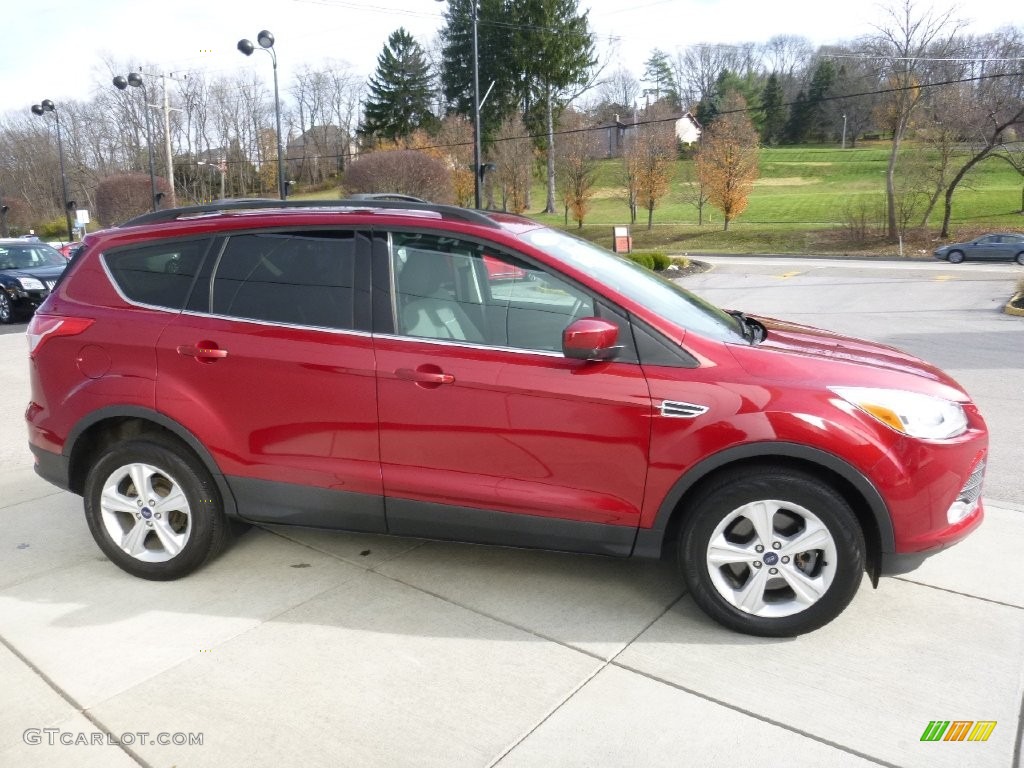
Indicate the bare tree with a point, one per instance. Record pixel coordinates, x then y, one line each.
575 167
907 42
513 155
998 105
694 191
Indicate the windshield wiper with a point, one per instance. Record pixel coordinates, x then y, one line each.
753 331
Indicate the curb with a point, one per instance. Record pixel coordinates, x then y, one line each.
1012 310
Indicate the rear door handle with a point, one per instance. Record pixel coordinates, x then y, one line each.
429 376
204 351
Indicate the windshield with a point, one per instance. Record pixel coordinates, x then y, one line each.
29 256
639 284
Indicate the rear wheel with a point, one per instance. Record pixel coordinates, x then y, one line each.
771 552
154 509
1020 258
955 257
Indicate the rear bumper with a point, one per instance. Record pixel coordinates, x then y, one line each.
52 467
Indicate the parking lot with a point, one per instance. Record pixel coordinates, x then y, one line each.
306 648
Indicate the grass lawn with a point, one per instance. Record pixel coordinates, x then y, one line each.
800 204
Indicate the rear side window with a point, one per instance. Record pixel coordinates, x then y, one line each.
159 275
293 278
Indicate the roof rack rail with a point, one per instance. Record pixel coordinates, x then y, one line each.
381 200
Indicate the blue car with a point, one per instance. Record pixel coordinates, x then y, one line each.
1004 246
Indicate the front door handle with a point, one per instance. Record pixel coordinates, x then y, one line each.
204 351
427 376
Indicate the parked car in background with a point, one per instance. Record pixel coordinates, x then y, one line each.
1004 246
68 250
28 271
393 385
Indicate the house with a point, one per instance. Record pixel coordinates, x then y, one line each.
688 129
318 153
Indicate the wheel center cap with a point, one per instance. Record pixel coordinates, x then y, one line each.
146 512
770 558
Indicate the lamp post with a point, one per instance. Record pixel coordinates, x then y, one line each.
219 167
477 168
134 79
266 41
41 109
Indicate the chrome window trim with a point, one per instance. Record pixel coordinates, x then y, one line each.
469 345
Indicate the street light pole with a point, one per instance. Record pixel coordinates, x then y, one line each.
134 79
266 41
41 109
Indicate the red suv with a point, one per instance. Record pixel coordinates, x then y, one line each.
359 365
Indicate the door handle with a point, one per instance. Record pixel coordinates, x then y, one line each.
204 351
426 375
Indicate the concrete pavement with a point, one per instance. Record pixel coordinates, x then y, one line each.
308 648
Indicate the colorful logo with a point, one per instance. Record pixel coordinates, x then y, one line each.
958 730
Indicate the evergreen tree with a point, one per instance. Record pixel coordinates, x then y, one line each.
798 125
772 110
821 87
497 63
533 51
400 91
658 71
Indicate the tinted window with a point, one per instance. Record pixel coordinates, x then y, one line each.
160 275
294 278
465 291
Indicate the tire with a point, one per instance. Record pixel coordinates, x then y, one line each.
165 540
6 310
1020 258
955 257
731 580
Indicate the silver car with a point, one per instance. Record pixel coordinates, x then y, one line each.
1003 245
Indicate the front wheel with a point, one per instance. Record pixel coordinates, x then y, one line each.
154 509
955 257
6 311
771 552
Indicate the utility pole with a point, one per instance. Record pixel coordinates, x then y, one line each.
167 109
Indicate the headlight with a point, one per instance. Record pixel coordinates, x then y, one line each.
30 283
910 413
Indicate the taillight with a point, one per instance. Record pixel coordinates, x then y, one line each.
43 327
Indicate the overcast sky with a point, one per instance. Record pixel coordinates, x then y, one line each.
52 49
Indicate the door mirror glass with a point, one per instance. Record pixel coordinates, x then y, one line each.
591 338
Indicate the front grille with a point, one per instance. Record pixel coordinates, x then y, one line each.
966 503
971 491
50 284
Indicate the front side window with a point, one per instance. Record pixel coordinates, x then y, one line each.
459 290
293 278
661 296
158 275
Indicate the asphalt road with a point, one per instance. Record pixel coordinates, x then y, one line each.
950 315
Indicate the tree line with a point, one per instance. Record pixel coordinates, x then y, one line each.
943 99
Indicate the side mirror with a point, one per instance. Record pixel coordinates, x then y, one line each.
591 338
